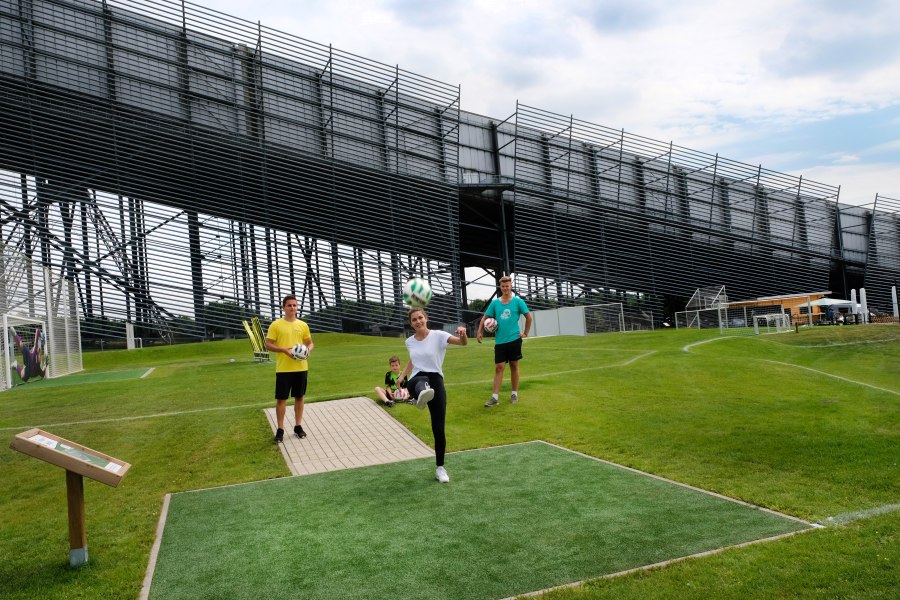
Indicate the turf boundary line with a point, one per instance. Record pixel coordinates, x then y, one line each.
310 399
154 551
680 484
147 373
151 567
665 563
845 379
659 565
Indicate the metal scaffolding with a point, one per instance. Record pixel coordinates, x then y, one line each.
186 169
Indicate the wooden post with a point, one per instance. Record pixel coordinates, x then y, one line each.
78 552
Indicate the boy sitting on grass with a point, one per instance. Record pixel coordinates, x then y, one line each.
391 392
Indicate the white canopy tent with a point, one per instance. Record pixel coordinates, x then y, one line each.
832 302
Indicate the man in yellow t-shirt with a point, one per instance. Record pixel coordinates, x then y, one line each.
290 373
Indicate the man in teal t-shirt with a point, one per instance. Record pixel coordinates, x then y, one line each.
506 309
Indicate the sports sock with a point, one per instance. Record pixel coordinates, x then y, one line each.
495 396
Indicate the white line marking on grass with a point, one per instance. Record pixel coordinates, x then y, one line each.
849 517
150 370
874 387
774 340
689 346
597 368
362 393
625 363
135 417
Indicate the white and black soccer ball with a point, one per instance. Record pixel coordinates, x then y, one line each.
300 351
490 325
417 293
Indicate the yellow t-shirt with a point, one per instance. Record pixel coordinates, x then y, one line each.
286 334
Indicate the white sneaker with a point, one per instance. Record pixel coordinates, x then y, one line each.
514 398
424 398
441 475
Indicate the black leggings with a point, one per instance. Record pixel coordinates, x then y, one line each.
437 407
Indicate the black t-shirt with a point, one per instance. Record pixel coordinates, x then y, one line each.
390 381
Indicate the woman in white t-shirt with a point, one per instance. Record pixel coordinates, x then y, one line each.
427 348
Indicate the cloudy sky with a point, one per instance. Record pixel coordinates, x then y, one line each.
806 87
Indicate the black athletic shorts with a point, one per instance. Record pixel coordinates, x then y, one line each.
290 385
508 352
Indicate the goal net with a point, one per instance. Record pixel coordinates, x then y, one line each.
41 326
604 318
24 350
736 319
578 320
771 323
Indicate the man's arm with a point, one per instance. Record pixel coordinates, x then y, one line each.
273 347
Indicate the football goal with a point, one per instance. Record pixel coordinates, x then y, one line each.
24 350
771 323
41 327
578 320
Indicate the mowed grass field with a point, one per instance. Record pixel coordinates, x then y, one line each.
803 423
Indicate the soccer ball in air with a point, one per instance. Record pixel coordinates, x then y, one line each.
490 325
300 352
417 292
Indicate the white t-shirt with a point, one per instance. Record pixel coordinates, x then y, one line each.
428 355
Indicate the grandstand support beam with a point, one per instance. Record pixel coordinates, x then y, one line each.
441 150
504 230
86 252
196 262
26 236
253 301
273 301
336 281
108 46
26 16
593 172
398 288
42 208
871 256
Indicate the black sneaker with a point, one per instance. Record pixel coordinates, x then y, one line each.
298 431
279 436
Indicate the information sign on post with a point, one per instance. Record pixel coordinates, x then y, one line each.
79 462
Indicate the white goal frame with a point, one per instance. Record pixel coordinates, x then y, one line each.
32 293
577 320
10 351
771 323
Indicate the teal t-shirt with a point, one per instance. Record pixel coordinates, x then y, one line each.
507 316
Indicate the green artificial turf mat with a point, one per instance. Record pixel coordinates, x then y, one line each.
513 519
84 378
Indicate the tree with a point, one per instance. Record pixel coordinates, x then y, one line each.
479 305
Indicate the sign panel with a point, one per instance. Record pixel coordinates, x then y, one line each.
71 456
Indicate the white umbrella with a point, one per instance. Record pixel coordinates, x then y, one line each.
831 302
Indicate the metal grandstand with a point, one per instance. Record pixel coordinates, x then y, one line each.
185 169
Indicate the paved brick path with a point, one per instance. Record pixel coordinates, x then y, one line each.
352 432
